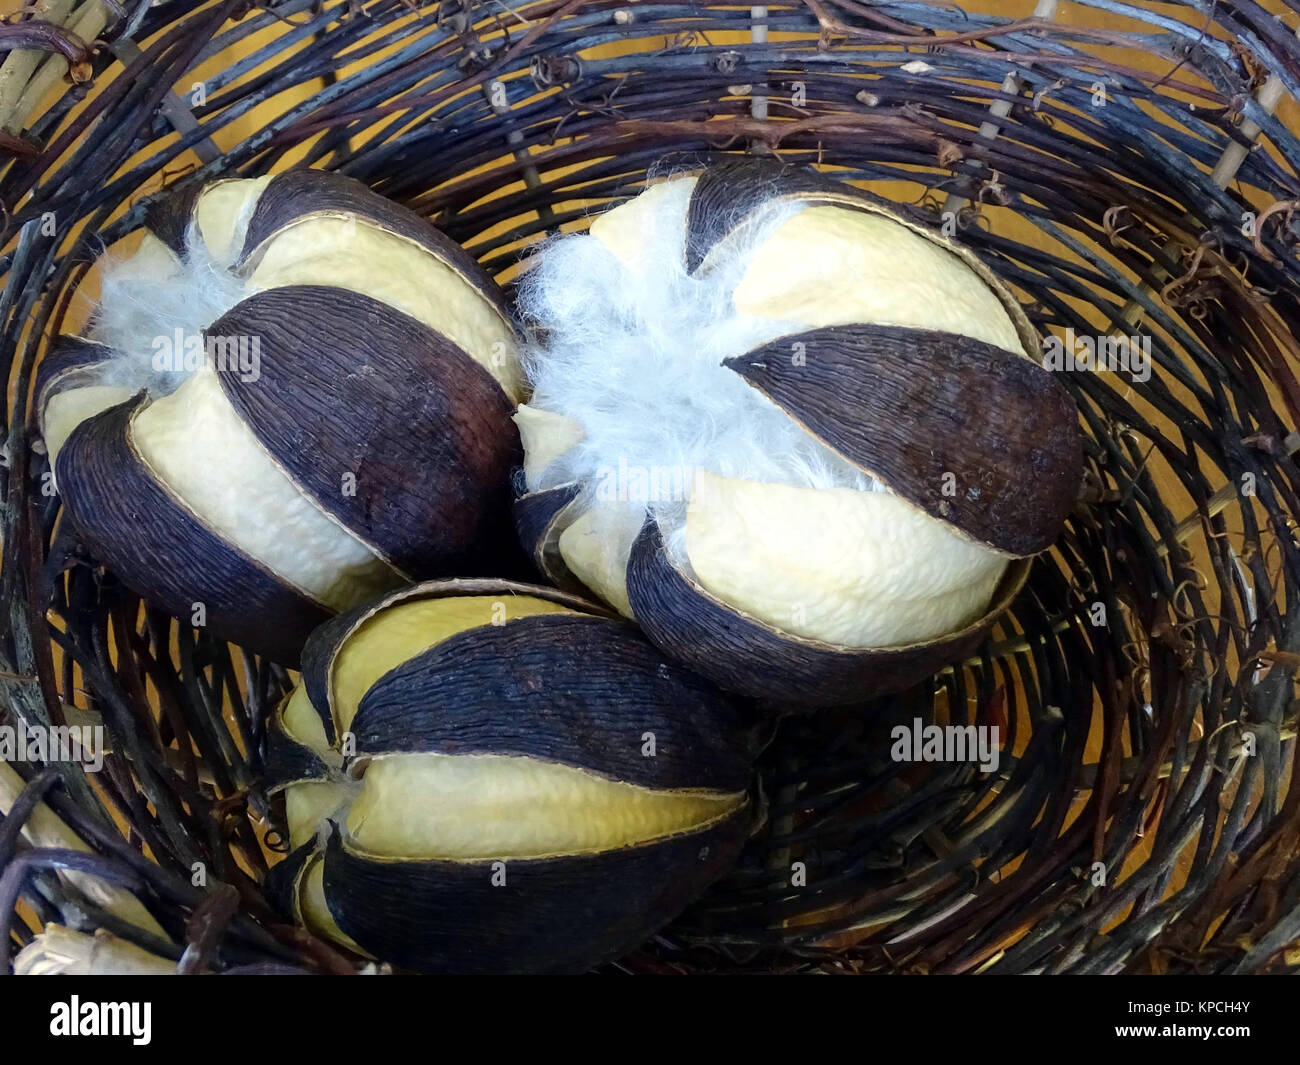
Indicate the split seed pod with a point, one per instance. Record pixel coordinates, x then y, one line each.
799 439
482 776
294 396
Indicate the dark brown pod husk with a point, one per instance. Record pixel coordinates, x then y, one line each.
911 407
926 384
540 517
141 531
727 197
556 915
71 365
380 448
747 656
287 761
281 883
323 644
728 194
512 689
168 218
69 359
559 697
411 449
298 195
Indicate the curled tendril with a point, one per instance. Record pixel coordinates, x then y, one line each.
1134 652
1180 291
970 215
275 841
929 202
1196 581
1116 219
1285 208
992 190
1038 97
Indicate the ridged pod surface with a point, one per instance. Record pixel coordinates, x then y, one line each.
345 429
482 776
902 365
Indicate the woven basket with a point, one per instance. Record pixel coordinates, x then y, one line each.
1125 174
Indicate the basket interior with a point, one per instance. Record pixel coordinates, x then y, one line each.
1128 174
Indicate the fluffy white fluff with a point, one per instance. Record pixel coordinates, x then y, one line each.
149 296
634 354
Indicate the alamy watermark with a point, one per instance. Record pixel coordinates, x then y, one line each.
53 743
919 742
183 352
1130 354
626 483
73 1017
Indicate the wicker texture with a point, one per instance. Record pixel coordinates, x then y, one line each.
1110 197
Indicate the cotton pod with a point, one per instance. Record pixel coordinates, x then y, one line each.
800 439
481 776
293 396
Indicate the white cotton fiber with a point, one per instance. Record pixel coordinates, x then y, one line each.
633 352
146 298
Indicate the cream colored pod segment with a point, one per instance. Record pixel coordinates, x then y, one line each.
467 789
294 396
889 447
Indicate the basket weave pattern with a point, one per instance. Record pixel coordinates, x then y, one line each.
1132 181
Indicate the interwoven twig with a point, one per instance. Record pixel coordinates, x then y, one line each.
1109 192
